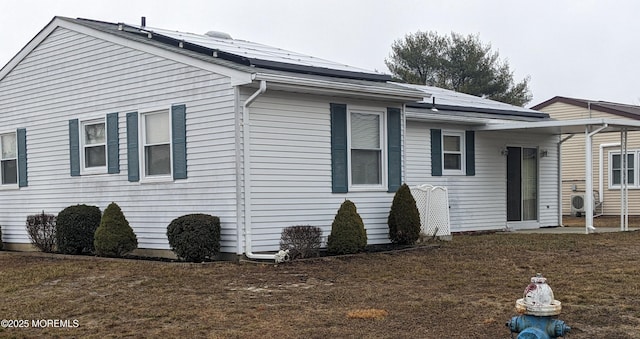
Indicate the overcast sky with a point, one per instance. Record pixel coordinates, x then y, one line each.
579 48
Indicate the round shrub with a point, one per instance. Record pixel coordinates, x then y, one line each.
75 228
404 218
348 234
114 237
195 237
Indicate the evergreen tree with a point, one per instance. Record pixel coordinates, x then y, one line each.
348 234
404 218
114 237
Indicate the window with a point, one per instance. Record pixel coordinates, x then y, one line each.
615 169
452 152
366 151
9 159
156 140
94 155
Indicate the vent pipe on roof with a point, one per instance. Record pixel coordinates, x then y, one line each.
433 105
143 21
218 35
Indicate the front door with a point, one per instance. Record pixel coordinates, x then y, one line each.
522 184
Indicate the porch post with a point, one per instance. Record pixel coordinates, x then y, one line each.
588 194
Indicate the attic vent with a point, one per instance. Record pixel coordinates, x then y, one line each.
219 35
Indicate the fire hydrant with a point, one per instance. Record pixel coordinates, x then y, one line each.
537 312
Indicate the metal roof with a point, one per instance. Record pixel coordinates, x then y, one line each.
559 127
245 52
452 101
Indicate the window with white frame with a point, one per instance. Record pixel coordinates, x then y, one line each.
9 159
156 140
452 152
615 169
366 148
93 145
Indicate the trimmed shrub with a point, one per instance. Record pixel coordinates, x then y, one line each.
75 229
114 237
195 237
404 218
348 234
42 231
301 241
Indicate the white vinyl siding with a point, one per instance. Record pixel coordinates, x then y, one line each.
73 76
479 202
291 169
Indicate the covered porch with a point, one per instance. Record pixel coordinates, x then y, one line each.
566 129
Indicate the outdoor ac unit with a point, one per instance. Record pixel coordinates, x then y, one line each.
578 202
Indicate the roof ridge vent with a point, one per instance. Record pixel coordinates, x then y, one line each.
218 35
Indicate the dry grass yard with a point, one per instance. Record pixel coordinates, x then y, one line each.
465 288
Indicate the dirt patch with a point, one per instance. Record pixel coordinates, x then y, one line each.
465 288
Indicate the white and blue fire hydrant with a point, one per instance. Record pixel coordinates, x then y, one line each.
538 310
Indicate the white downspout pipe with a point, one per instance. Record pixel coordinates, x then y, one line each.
589 177
601 168
246 139
559 153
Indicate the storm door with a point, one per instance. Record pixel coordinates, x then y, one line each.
522 183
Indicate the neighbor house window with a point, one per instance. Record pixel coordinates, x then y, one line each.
93 148
366 151
156 139
615 174
9 159
453 152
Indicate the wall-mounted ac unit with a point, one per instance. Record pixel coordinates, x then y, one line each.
578 204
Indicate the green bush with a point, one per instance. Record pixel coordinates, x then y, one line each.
348 234
195 237
75 228
301 241
404 218
42 231
114 237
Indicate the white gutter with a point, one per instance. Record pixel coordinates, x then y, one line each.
559 152
589 177
601 168
246 134
295 84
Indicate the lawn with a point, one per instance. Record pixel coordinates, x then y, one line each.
465 288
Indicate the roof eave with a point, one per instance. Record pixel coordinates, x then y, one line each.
539 115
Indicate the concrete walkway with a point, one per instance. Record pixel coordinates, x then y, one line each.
568 230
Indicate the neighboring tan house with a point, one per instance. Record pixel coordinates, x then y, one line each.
166 123
606 155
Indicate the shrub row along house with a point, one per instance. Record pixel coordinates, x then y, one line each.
167 123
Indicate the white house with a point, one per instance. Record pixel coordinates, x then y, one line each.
167 123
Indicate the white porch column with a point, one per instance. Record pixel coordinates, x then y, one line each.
588 170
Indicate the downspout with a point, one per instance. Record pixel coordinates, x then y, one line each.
589 177
246 138
559 152
238 154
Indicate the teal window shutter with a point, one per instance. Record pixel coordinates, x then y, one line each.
133 163
21 135
179 140
74 148
394 148
470 152
436 152
113 151
339 170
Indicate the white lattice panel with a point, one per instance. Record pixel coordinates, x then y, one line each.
433 205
